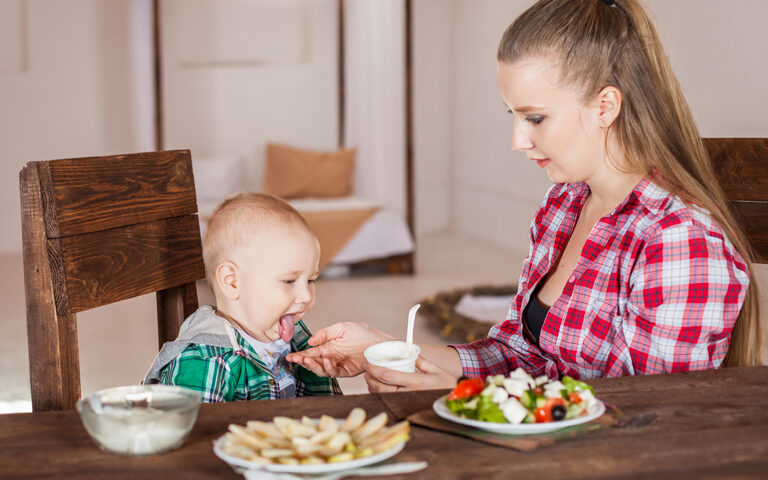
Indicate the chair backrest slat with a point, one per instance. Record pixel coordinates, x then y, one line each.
83 195
741 167
753 218
113 265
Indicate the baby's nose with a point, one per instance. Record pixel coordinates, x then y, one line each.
303 295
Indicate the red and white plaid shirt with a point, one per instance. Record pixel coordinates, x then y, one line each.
657 289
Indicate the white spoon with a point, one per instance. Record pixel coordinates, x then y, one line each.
411 319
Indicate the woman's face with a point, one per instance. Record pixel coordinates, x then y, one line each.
552 125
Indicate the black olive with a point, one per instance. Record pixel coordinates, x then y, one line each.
558 412
461 378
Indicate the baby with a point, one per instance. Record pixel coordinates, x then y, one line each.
261 261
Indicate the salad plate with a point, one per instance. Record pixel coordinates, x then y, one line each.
594 411
241 463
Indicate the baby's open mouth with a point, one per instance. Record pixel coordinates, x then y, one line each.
286 326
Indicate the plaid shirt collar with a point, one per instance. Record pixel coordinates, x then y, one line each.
646 194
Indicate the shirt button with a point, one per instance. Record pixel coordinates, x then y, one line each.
272 381
572 279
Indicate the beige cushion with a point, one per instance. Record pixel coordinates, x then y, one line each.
292 173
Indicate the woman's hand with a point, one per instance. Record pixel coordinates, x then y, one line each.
427 377
338 350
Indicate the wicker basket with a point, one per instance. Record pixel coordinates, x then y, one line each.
440 312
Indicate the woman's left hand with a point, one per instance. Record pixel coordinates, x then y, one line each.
428 376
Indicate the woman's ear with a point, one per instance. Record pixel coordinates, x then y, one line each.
228 279
609 105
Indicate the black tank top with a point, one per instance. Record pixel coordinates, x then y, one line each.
535 313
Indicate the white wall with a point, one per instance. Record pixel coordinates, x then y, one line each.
228 102
374 98
470 182
432 70
83 88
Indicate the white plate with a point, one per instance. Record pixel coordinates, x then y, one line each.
318 468
442 410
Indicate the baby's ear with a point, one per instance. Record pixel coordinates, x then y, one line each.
228 279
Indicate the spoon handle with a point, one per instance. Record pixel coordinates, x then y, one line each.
411 321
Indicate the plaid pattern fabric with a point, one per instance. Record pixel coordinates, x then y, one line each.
657 289
225 374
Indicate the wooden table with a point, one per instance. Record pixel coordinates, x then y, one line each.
711 424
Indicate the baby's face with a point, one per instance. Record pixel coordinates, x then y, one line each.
277 286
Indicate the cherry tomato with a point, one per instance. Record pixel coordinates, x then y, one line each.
544 413
467 388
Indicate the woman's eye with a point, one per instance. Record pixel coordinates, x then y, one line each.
312 280
535 120
289 282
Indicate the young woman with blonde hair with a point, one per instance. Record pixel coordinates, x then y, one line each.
636 265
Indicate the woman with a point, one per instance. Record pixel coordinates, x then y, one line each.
636 266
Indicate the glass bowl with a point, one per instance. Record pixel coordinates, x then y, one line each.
140 419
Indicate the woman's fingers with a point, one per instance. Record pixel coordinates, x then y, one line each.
313 367
386 380
314 352
426 366
320 337
434 376
377 386
333 332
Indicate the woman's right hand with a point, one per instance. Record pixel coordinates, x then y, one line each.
337 351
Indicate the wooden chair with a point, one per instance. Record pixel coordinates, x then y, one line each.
96 231
741 166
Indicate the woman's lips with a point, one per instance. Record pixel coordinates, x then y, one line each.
542 162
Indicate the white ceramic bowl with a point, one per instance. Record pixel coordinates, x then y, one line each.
140 419
394 355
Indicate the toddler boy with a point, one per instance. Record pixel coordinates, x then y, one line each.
261 261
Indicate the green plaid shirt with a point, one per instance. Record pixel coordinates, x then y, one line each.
225 374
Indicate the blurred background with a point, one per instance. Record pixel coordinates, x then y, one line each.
223 79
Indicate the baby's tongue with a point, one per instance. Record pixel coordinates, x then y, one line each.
286 327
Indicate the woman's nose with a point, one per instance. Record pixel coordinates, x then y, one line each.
520 140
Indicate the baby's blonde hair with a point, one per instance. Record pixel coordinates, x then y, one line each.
237 220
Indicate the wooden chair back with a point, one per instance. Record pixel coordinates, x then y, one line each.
741 166
96 231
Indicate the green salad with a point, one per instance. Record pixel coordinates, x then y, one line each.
520 398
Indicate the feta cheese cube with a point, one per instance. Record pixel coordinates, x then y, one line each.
489 390
513 411
500 396
515 386
587 397
553 389
522 375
